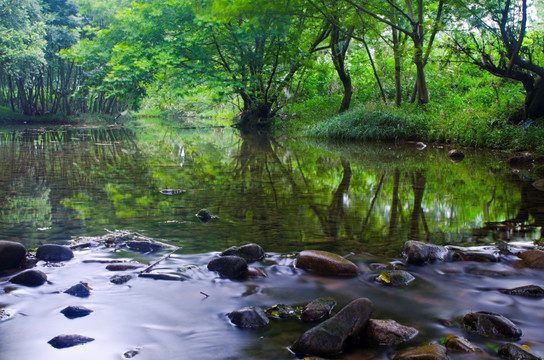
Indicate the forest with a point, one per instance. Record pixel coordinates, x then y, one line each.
435 70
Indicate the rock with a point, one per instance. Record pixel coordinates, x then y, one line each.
456 155
528 291
539 185
12 254
420 145
520 162
120 279
253 272
249 318
80 290
533 259
388 333
491 325
73 312
417 252
250 252
65 341
54 252
516 352
396 278
318 309
144 246
205 215
173 191
232 267
123 267
460 344
475 256
131 353
29 278
280 311
425 352
330 337
325 263
158 276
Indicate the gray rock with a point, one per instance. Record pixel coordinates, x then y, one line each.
280 311
81 290
144 246
396 278
123 267
491 325
417 252
232 267
388 333
29 278
533 259
173 191
74 312
249 318
475 256
12 254
329 338
325 263
253 272
425 352
205 215
65 341
527 291
250 252
54 252
120 279
460 344
318 309
516 352
456 155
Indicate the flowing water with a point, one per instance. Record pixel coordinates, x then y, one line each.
363 201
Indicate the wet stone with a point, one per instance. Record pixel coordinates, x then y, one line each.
173 191
396 278
120 279
516 352
66 341
144 246
130 354
533 259
123 267
325 263
425 352
249 318
523 162
456 155
232 267
388 333
205 215
475 256
250 252
253 272
539 185
460 344
30 278
12 254
280 311
527 291
81 290
54 252
491 325
159 276
74 312
318 309
417 252
330 337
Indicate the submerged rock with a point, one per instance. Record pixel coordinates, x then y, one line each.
280 311
159 276
516 352
475 256
396 278
329 338
232 267
144 246
325 263
65 341
417 252
123 267
54 252
31 278
318 309
120 279
80 290
205 215
250 252
249 318
491 325
456 155
523 162
12 254
460 344
388 333
425 352
74 312
528 291
533 259
173 191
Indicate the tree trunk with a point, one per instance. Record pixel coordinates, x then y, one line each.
534 101
396 55
338 54
256 113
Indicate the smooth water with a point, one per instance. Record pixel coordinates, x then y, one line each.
359 200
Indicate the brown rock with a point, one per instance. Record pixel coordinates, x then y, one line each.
12 254
533 259
460 344
388 333
425 352
325 263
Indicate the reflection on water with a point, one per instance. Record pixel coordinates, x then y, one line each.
359 199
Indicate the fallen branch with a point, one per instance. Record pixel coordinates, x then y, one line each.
158 261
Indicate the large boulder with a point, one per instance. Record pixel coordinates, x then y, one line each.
65 341
425 352
250 252
417 252
491 325
54 252
318 309
388 333
533 259
249 318
329 338
325 263
12 254
29 278
232 267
